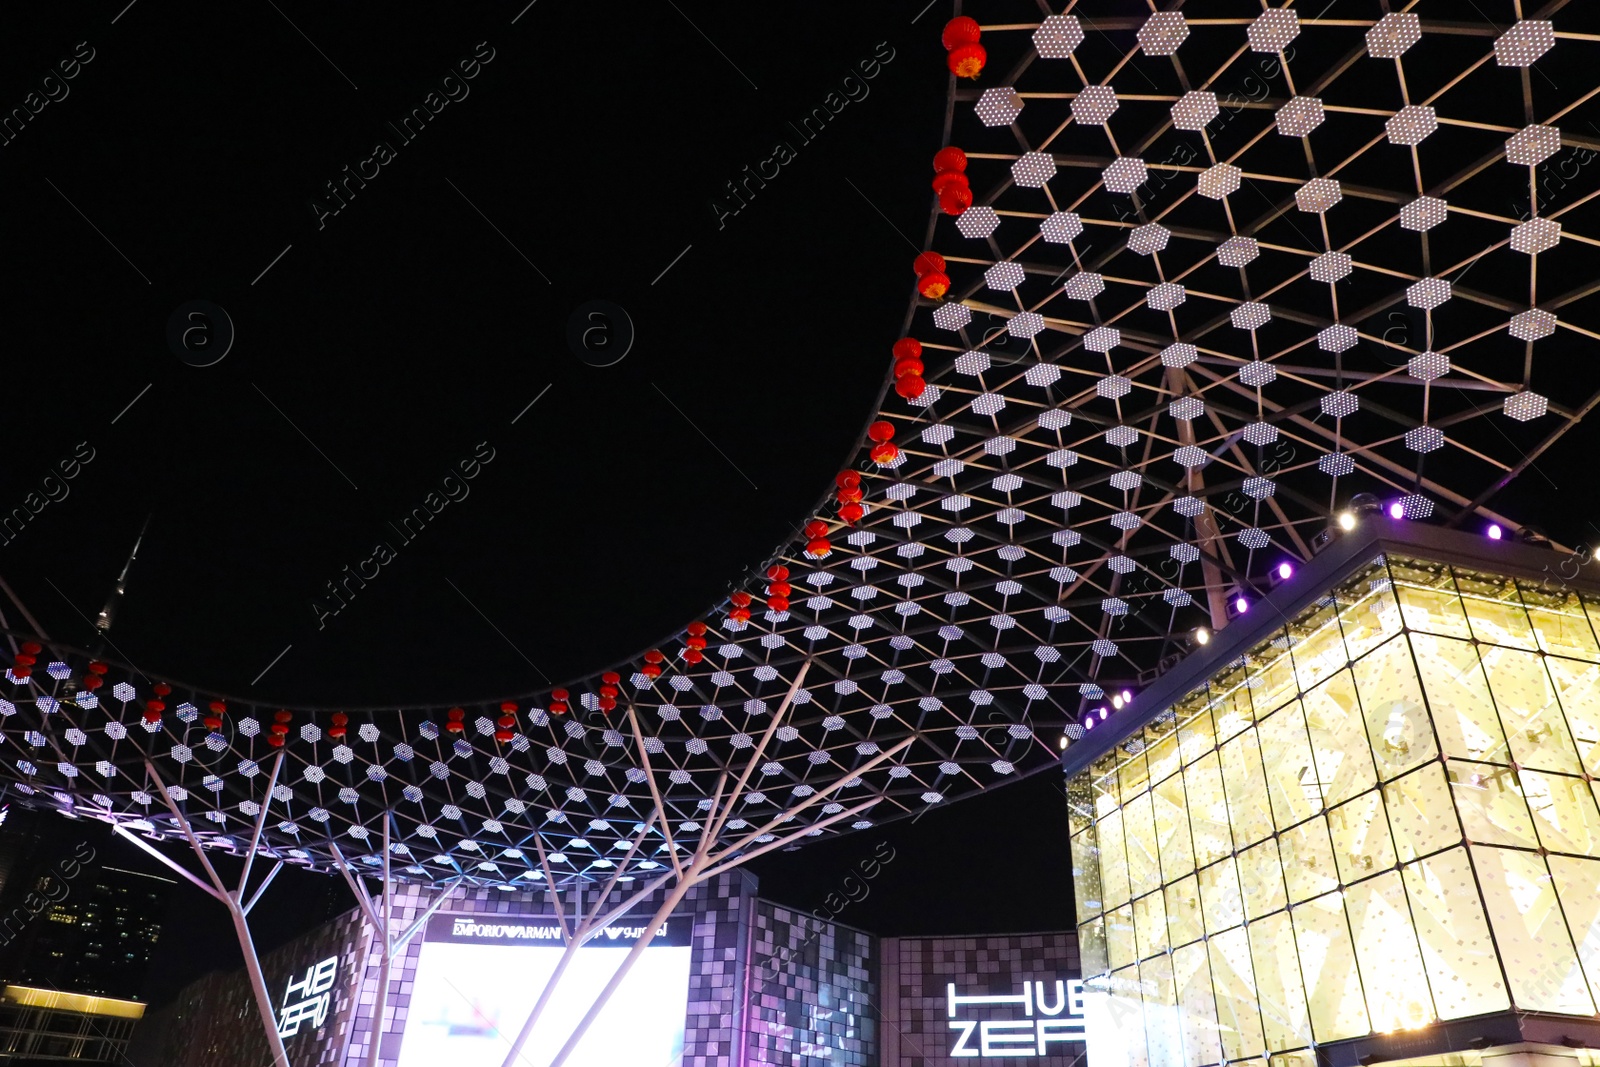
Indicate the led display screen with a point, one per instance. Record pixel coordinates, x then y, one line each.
478 978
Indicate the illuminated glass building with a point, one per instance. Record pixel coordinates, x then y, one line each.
1360 825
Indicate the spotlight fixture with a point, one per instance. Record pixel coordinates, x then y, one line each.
1117 702
1285 569
1495 532
1241 605
1063 742
1347 521
1103 713
1397 510
1202 636
1127 696
1088 724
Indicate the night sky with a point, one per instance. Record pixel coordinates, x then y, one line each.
390 338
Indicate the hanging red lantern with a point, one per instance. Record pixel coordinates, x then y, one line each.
778 603
816 528
906 348
950 179
955 199
693 655
949 159
652 664
959 31
558 701
92 682
910 386
852 512
153 709
161 689
818 547
216 710
850 496
454 719
908 366
933 285
847 479
967 60
880 431
928 263
778 572
697 628
22 659
340 725
96 667
506 722
884 454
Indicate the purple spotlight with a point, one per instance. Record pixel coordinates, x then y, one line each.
1284 570
1241 605
1397 510
1088 724
1127 696
1103 713
1494 531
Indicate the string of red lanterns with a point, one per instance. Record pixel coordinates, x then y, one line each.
960 39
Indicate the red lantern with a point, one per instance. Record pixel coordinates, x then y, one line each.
338 729
910 386
697 628
880 431
927 263
967 60
508 708
950 179
908 366
948 159
816 528
454 723
818 547
160 689
847 479
558 707
695 642
778 572
92 682
955 199
850 496
21 673
504 736
959 31
32 648
905 348
778 603
152 716
97 667
779 589
884 454
275 740
933 285
24 660
852 512
693 655
607 703
654 656
740 598
651 671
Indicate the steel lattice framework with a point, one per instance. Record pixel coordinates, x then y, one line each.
1226 266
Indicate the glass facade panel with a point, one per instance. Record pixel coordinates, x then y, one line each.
1245 781
1220 899
1284 1015
1405 772
1139 830
1361 843
1208 809
1292 783
1369 615
1489 801
1183 912
1172 830
1398 726
1578 888
1458 696
1338 734
1386 950
1238 1007
1494 610
1422 814
1564 812
1150 924
1533 722
1113 861
1559 623
1261 879
1308 865
1531 932
1161 1023
1121 948
1197 1006
1428 598
1328 961
1457 950
1578 690
1086 876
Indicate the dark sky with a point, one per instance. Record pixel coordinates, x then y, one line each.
379 347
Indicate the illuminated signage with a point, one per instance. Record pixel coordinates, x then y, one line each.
537 930
314 997
1044 1021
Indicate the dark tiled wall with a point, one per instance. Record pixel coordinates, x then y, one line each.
917 970
813 991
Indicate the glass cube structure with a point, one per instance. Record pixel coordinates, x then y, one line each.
1379 817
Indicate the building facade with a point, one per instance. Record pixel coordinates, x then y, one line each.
1362 828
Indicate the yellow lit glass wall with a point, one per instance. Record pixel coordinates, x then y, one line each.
1381 817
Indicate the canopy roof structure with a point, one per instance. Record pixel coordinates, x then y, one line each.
1218 274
